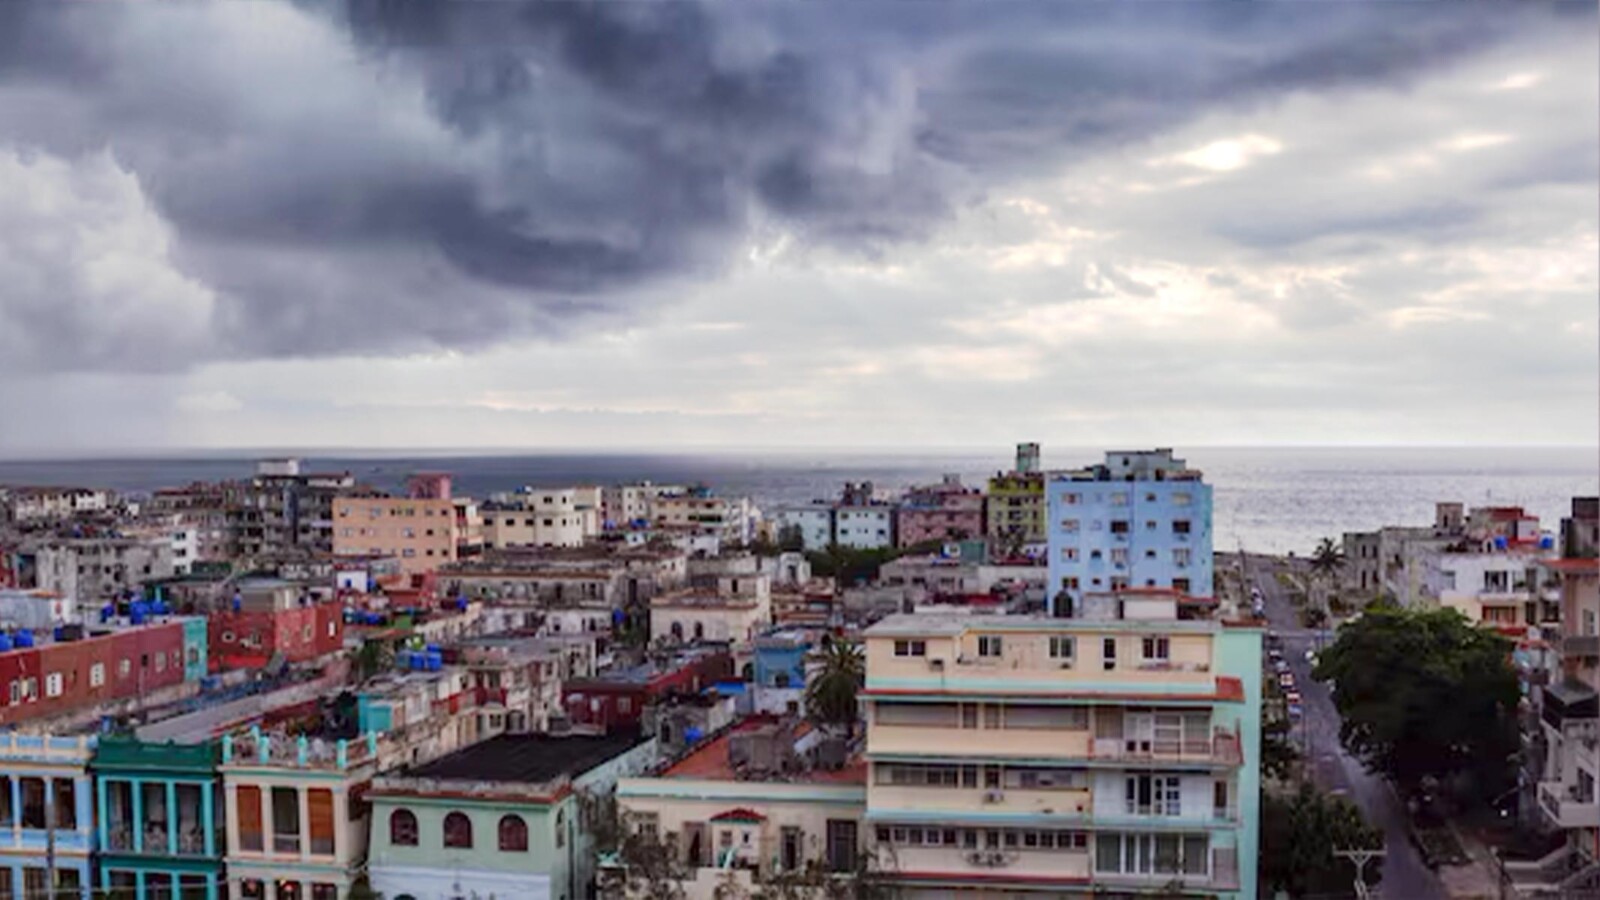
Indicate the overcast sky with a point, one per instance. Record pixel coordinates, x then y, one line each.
834 224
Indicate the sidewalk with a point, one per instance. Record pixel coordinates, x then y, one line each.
1478 880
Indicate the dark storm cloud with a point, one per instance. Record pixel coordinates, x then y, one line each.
566 154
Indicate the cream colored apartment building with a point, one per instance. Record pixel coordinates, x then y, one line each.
421 534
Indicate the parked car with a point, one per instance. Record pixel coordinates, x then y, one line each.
1295 711
1286 679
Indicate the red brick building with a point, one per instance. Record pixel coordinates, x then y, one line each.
618 699
249 638
59 676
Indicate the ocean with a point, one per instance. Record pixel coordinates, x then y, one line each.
1270 500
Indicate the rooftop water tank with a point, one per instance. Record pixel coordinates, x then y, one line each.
24 638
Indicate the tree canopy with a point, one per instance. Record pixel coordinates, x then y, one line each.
1299 834
831 696
1424 694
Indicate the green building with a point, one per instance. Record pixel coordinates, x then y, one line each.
158 812
502 818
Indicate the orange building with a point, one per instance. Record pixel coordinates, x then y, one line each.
419 532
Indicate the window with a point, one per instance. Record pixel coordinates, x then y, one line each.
1181 498
1180 556
1071 582
561 828
1108 650
1119 556
320 820
53 684
247 800
1066 718
1180 526
1063 647
1070 526
991 715
927 715
513 834
1180 584
458 831
989 645
1119 498
1069 554
1152 795
969 715
1119 526
1071 499
161 662
1157 648
841 845
402 827
910 648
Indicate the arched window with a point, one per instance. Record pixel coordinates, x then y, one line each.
458 831
513 834
699 631
677 632
403 828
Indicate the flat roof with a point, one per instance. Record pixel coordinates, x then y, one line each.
709 761
530 758
947 624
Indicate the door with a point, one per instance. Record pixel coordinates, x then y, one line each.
841 845
1138 732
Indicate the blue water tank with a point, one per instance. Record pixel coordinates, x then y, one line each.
136 614
24 638
1500 542
159 607
5 642
108 612
238 602
692 734
435 661
1546 541
432 648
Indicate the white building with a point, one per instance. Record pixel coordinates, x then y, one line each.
548 517
864 527
813 522
92 569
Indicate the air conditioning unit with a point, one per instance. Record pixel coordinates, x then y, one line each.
994 796
936 663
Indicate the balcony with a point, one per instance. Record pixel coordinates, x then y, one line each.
1222 750
987 865
1581 646
1224 874
1565 808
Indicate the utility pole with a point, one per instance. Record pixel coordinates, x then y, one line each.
1360 858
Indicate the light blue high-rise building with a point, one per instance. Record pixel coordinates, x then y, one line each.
1139 521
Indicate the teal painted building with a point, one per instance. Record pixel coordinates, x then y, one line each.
46 816
158 811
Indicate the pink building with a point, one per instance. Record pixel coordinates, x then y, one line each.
940 512
428 486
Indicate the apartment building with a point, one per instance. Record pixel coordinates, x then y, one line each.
749 805
621 504
1569 718
1495 582
736 610
159 817
863 519
1140 520
500 818
1114 751
1015 508
941 512
812 524
99 568
535 517
270 618
33 505
285 512
46 794
295 830
419 533
730 520
98 667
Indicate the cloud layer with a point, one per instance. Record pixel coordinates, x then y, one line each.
573 206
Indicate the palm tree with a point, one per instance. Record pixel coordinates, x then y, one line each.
1326 561
831 696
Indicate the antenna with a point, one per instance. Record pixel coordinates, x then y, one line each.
1360 858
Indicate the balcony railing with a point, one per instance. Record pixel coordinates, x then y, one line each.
286 843
1222 749
1581 646
1566 808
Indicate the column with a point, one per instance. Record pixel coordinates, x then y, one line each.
104 816
303 797
341 823
85 814
172 818
268 828
136 787
211 887
16 810
208 824
231 826
138 883
49 802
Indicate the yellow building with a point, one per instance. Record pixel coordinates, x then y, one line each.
1115 751
420 533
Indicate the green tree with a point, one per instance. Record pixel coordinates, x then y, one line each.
374 657
1299 834
1425 694
1326 561
831 695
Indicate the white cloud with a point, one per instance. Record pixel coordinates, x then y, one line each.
1227 155
1518 81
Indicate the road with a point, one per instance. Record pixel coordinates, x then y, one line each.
1404 875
